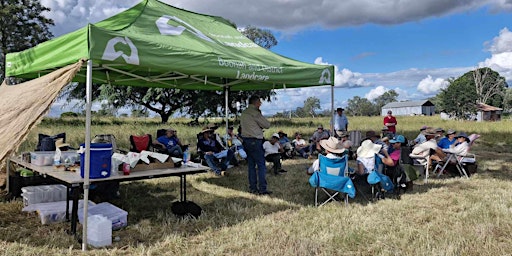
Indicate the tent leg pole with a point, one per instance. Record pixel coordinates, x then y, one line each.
332 109
226 98
87 156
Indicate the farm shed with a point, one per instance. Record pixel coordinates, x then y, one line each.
409 108
487 113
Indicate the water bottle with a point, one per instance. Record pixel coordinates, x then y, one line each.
185 156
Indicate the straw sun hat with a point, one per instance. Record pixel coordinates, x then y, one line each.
332 145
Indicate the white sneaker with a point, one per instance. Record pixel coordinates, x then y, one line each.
230 166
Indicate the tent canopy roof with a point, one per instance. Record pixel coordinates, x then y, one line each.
157 45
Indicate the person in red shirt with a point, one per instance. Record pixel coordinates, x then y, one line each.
390 122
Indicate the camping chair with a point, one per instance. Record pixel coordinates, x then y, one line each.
140 143
379 182
460 160
424 163
332 179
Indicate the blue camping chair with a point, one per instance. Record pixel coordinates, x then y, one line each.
332 177
380 182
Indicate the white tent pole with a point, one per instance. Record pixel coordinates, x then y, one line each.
87 156
332 109
226 96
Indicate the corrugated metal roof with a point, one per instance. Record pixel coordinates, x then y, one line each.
412 103
485 107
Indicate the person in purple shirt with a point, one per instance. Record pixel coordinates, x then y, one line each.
447 141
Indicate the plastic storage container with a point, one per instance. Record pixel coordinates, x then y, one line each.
42 158
53 212
119 217
101 160
99 233
43 194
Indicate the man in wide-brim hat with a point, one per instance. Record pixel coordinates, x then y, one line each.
213 151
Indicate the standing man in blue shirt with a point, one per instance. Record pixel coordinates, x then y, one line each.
253 123
340 122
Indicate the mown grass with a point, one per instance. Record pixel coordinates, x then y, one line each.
448 216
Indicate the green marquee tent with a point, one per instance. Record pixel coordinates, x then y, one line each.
157 45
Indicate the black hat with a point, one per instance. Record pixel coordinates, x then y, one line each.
340 109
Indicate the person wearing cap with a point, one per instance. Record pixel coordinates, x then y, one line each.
390 122
461 147
320 134
448 140
273 152
252 123
170 142
371 135
300 145
234 142
396 143
285 144
340 121
334 150
213 151
421 136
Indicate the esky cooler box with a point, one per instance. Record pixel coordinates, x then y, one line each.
101 160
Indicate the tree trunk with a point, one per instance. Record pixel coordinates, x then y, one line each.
165 117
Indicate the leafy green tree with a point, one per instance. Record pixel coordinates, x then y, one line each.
262 37
459 99
358 106
311 105
22 26
387 97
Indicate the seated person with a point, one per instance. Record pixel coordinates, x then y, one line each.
461 147
300 145
285 144
421 137
213 151
366 156
320 134
234 142
170 142
273 152
334 150
395 143
216 136
440 134
448 140
421 151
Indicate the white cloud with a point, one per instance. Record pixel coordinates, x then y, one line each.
286 16
501 50
501 43
431 86
376 92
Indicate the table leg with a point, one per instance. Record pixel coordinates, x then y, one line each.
75 192
183 188
67 203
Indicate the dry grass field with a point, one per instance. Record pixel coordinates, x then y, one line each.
446 216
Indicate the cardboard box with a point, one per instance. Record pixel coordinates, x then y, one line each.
151 166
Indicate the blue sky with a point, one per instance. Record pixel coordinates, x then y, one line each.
409 46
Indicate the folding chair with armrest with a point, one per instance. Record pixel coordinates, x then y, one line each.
460 160
332 177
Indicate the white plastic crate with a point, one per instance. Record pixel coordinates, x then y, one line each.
43 194
118 216
53 212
